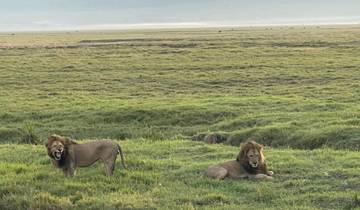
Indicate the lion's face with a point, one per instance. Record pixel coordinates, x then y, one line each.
254 157
57 150
251 155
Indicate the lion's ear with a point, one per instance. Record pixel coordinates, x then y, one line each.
242 152
242 146
67 141
70 141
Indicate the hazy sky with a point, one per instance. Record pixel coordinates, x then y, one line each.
82 14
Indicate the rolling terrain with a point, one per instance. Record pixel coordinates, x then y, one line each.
291 86
295 89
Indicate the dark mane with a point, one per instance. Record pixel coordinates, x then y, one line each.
258 170
66 142
243 159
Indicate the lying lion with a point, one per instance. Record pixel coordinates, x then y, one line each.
250 163
66 154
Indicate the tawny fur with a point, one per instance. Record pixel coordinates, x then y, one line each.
250 163
75 155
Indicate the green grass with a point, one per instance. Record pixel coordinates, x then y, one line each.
168 175
288 86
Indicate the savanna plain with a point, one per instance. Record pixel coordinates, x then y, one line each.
160 92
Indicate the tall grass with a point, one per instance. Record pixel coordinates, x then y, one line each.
29 134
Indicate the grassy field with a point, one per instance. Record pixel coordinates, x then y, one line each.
168 175
291 88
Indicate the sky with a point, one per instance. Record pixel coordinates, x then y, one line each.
25 15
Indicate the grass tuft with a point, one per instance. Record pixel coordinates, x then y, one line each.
29 134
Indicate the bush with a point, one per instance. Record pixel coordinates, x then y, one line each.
29 134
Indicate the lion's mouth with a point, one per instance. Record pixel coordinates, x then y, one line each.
57 154
254 165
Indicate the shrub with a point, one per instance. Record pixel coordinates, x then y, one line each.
29 134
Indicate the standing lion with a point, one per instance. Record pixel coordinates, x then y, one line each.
66 154
250 163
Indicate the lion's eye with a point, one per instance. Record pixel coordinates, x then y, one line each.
251 155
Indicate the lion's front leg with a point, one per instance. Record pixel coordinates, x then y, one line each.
71 163
260 176
264 170
66 171
69 171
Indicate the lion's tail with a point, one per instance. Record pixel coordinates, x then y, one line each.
122 156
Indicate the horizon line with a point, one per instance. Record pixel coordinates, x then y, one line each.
176 25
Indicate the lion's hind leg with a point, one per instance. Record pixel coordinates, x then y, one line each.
216 172
110 165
